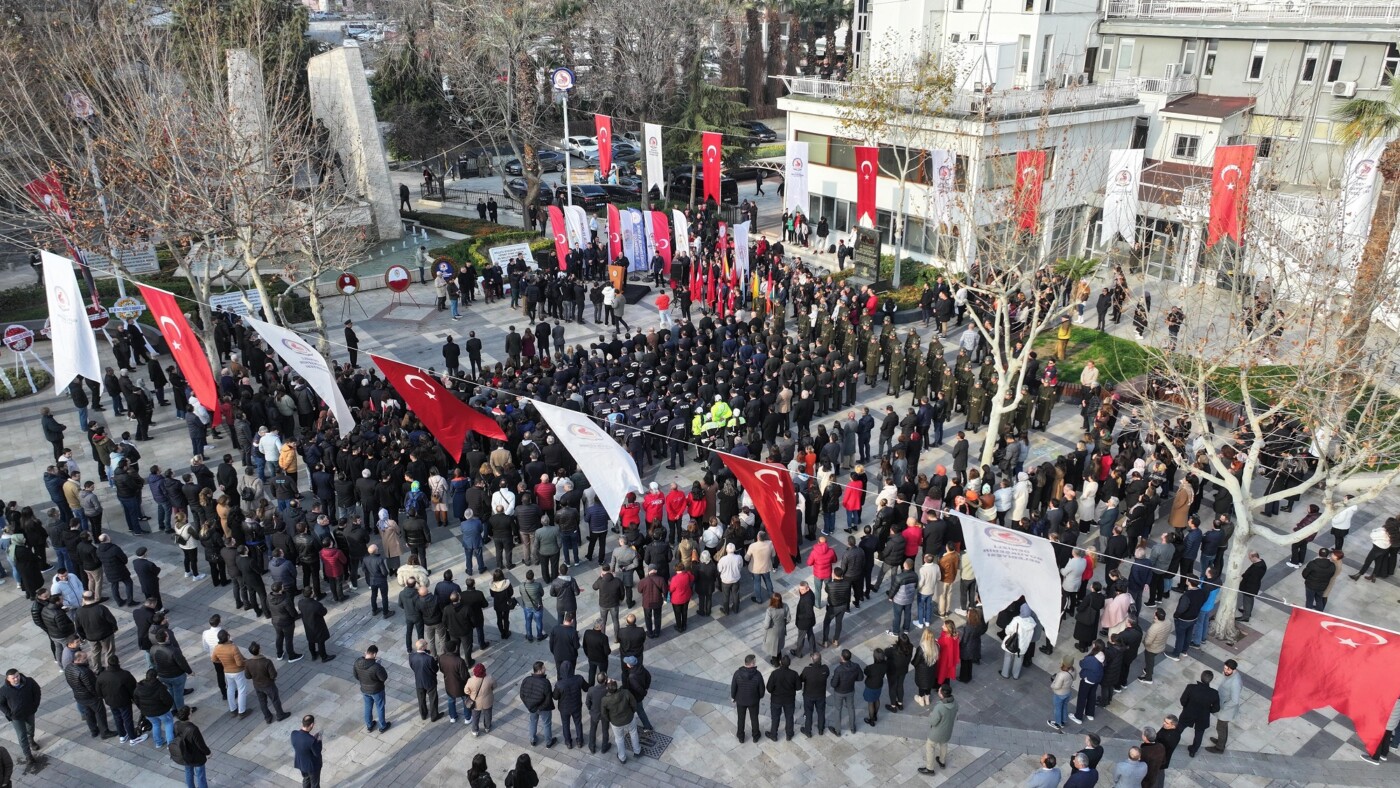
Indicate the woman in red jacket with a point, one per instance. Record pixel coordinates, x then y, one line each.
852 500
333 563
949 650
654 506
630 515
682 588
821 560
676 505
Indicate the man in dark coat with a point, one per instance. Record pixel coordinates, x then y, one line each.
306 748
568 695
537 696
805 618
746 689
1198 702
83 682
564 644
313 622
782 696
425 670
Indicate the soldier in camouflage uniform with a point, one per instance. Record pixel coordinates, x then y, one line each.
896 370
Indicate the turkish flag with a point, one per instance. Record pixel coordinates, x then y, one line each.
770 487
661 230
710 143
602 125
561 236
1030 177
1326 661
867 171
1229 192
614 233
446 417
47 192
184 346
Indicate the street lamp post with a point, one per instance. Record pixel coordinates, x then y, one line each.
562 79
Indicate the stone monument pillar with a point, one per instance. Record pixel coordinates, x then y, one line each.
340 99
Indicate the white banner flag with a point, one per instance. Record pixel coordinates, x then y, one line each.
302 357
609 468
650 236
795 178
74 345
944 166
576 226
656 175
681 227
1120 196
741 252
1011 564
1359 186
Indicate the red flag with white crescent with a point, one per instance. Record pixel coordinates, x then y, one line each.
1229 192
710 276
184 346
561 235
446 417
602 125
1327 661
661 229
1030 176
47 192
867 173
775 500
614 233
710 142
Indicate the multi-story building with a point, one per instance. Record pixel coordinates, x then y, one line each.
1176 78
1020 83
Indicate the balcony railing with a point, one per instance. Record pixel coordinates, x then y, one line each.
1171 86
998 104
1362 12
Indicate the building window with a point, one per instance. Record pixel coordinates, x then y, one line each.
1390 65
1185 146
999 172
1049 6
1264 148
1106 54
1030 6
1257 55
1189 48
1023 57
816 146
1334 66
1311 54
1212 49
959 5
1046 46
843 154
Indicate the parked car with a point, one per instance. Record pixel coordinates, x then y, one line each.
550 161
623 192
588 195
679 188
758 131
516 188
622 153
581 145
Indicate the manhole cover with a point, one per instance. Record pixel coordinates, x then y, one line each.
653 743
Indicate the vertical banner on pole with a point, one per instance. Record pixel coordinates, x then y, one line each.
795 177
602 125
662 227
614 233
651 132
867 172
561 235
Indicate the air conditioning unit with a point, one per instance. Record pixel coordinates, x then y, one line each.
1343 89
1081 79
954 37
1173 69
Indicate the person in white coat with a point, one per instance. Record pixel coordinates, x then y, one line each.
1019 639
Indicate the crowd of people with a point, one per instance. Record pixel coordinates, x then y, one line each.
294 517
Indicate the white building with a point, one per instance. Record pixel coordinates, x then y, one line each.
1021 84
1175 78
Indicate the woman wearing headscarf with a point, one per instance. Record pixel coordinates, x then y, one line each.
1018 641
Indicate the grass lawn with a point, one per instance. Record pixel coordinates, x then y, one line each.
1118 360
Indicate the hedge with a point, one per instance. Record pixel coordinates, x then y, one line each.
454 223
472 251
912 276
20 384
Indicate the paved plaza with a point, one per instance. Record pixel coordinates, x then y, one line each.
1000 733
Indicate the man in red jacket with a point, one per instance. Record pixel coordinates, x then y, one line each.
821 560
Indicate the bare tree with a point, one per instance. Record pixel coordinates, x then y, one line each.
1304 409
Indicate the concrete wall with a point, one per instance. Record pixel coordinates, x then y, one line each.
340 98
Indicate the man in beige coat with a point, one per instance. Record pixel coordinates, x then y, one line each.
1154 642
1181 505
